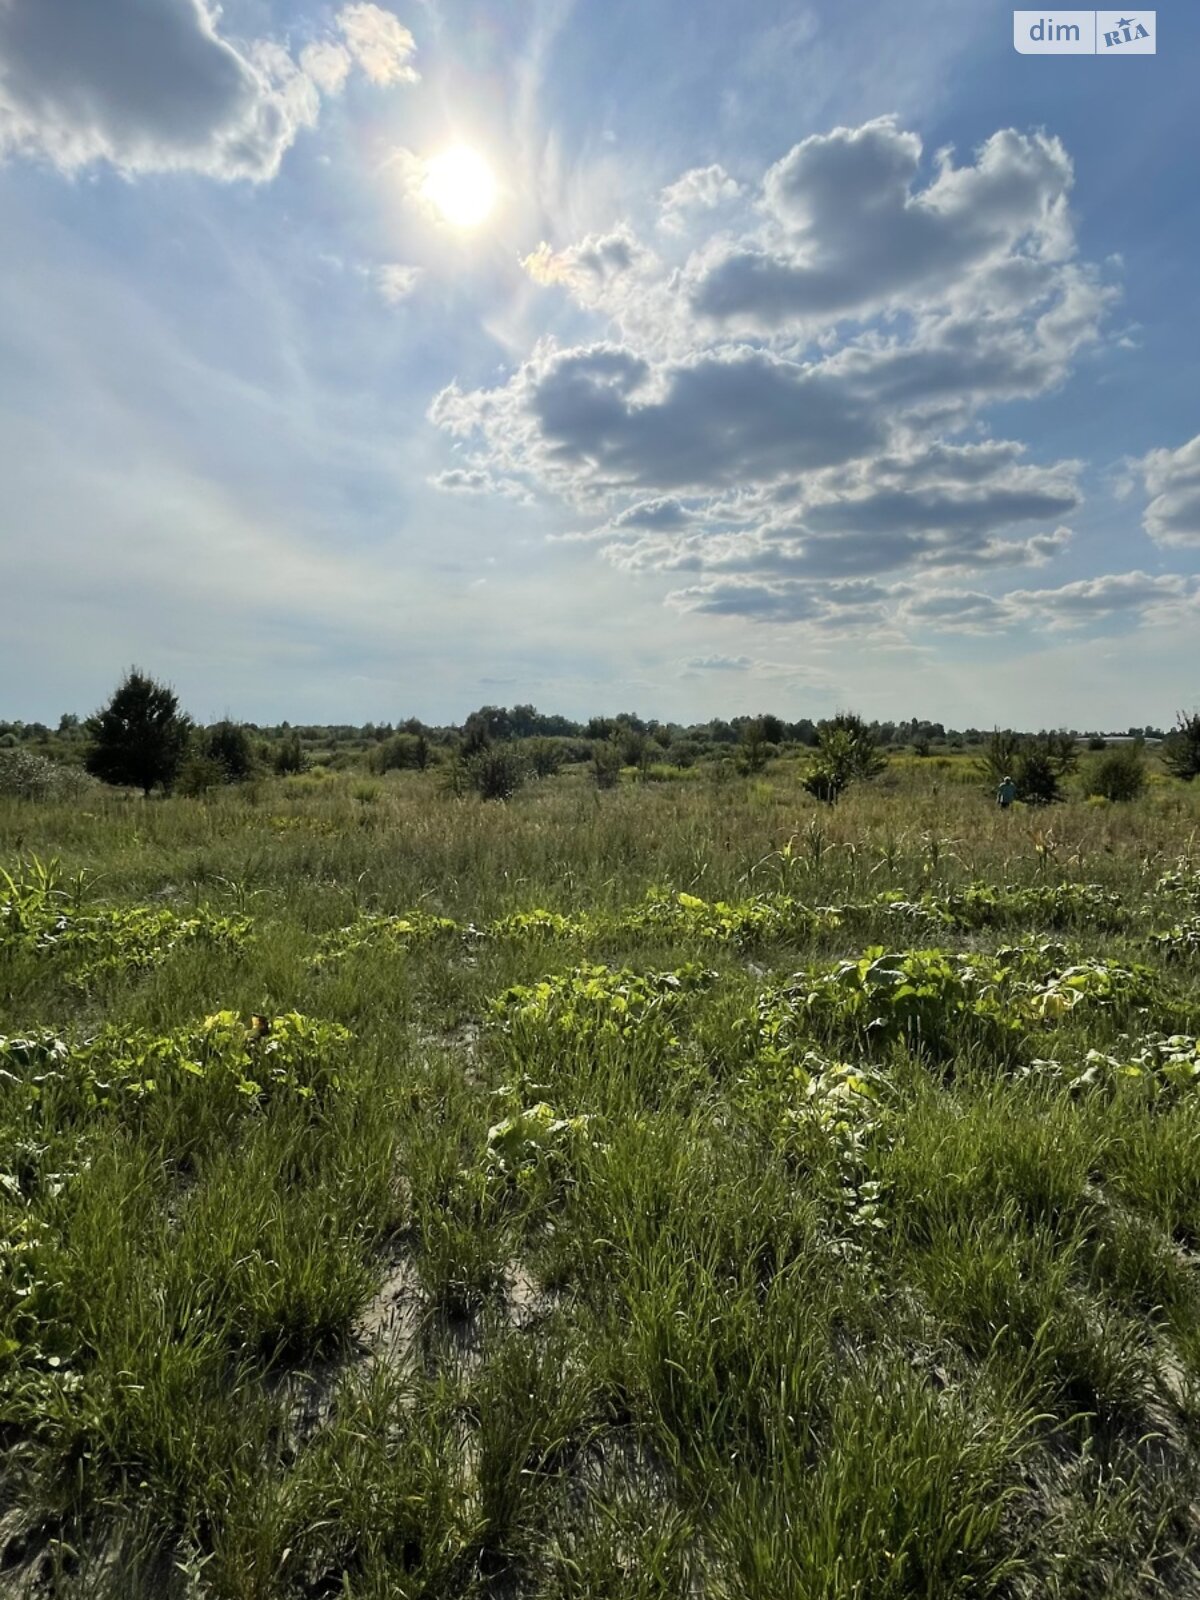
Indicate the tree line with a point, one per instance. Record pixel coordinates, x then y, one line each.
142 739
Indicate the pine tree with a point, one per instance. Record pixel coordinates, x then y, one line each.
1181 751
140 736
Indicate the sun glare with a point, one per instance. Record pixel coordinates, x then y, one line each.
460 184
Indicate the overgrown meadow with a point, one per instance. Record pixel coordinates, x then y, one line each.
682 1189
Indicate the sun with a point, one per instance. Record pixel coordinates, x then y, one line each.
460 184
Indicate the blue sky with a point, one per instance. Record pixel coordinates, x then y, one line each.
807 356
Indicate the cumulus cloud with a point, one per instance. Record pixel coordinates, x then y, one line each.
701 189
396 282
829 429
1139 597
479 480
1172 479
599 418
958 611
597 259
379 42
613 274
664 515
865 605
790 672
850 233
155 88
1090 599
327 64
835 606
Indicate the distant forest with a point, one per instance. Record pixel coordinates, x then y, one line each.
499 724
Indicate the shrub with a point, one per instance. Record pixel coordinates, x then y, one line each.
495 772
637 749
24 776
289 756
402 752
140 737
1036 765
754 748
847 751
1120 775
198 774
544 756
606 764
1181 749
227 745
866 759
1037 778
999 758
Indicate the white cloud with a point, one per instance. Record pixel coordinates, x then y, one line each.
957 611
1172 478
327 64
848 233
719 664
1141 595
478 480
598 418
595 260
611 273
785 414
155 88
863 605
1138 596
379 42
396 282
701 189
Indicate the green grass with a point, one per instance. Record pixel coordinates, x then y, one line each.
757 1199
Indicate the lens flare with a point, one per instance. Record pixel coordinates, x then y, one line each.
460 184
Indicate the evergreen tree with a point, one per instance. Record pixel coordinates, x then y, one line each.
289 755
228 744
1181 751
140 736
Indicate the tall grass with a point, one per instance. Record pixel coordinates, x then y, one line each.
711 1282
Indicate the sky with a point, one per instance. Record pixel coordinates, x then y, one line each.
359 362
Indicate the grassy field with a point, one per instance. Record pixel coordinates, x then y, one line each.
683 1189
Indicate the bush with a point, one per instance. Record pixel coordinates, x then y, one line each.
544 756
198 774
402 752
1181 749
637 749
606 764
140 737
682 753
754 748
24 776
1036 765
867 760
999 758
847 751
289 756
1037 778
1120 775
226 746
496 772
